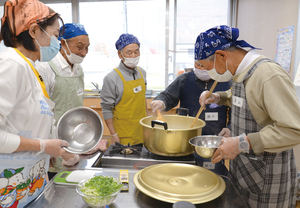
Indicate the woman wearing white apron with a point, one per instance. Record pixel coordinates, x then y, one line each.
25 108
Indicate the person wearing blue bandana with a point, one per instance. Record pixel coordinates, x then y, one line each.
186 90
263 129
123 94
64 80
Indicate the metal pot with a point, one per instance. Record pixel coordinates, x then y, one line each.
170 138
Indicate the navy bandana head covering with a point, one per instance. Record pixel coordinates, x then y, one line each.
72 30
126 39
218 38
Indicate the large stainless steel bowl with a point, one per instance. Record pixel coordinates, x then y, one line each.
205 146
82 128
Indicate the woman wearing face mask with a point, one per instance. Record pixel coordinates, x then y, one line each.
123 94
63 77
186 89
29 31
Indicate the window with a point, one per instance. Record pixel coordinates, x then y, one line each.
167 31
144 19
193 17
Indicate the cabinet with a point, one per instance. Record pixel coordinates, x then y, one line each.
94 103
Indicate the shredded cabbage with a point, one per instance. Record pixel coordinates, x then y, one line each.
102 186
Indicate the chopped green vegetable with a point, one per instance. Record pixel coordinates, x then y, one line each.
100 189
101 186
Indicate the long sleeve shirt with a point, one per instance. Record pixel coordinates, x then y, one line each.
112 89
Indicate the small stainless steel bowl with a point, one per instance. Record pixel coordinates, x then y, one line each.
205 146
82 128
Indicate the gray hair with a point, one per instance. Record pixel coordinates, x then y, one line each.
212 57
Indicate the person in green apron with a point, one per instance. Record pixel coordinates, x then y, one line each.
123 94
29 30
64 80
265 124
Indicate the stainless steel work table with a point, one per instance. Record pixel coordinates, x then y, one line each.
61 196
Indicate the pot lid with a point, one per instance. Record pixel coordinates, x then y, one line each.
172 182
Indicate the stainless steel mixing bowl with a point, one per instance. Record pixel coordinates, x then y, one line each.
82 128
206 145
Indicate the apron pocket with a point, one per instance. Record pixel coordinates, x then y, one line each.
124 128
250 173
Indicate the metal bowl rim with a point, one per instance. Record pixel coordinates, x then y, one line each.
75 109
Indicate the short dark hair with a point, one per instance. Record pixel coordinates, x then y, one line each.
24 38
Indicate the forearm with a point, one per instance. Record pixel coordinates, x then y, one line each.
111 127
28 145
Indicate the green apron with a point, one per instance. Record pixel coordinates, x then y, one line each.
68 93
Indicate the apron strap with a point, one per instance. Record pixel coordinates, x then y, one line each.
36 73
121 76
53 67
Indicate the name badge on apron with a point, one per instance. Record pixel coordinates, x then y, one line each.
237 101
211 116
137 89
79 92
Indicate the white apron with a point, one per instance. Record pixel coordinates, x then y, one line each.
23 174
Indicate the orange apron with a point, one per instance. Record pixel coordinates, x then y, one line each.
128 112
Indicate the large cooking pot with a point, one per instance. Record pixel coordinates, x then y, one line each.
170 138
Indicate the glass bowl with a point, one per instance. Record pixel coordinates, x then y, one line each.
92 199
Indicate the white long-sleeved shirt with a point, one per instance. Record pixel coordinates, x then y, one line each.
18 85
62 66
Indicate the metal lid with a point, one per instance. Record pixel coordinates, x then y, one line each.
172 182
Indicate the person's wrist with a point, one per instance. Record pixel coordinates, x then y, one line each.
244 145
114 135
218 97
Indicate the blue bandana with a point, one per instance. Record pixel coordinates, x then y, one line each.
217 38
72 30
126 39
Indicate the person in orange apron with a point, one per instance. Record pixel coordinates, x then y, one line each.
29 30
123 94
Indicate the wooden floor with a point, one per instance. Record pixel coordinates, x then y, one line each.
298 205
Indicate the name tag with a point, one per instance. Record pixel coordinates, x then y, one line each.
211 116
79 92
137 89
237 101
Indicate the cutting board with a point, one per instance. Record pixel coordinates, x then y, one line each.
72 177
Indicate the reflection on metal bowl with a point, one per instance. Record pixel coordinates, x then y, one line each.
82 128
205 146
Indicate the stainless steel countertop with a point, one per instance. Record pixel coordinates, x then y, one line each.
60 196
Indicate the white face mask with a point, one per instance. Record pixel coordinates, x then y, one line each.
131 62
73 58
202 74
227 76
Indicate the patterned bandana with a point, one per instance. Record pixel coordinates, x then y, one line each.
126 39
72 30
20 14
218 38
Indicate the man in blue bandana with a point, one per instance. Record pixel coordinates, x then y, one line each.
123 94
263 129
64 80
